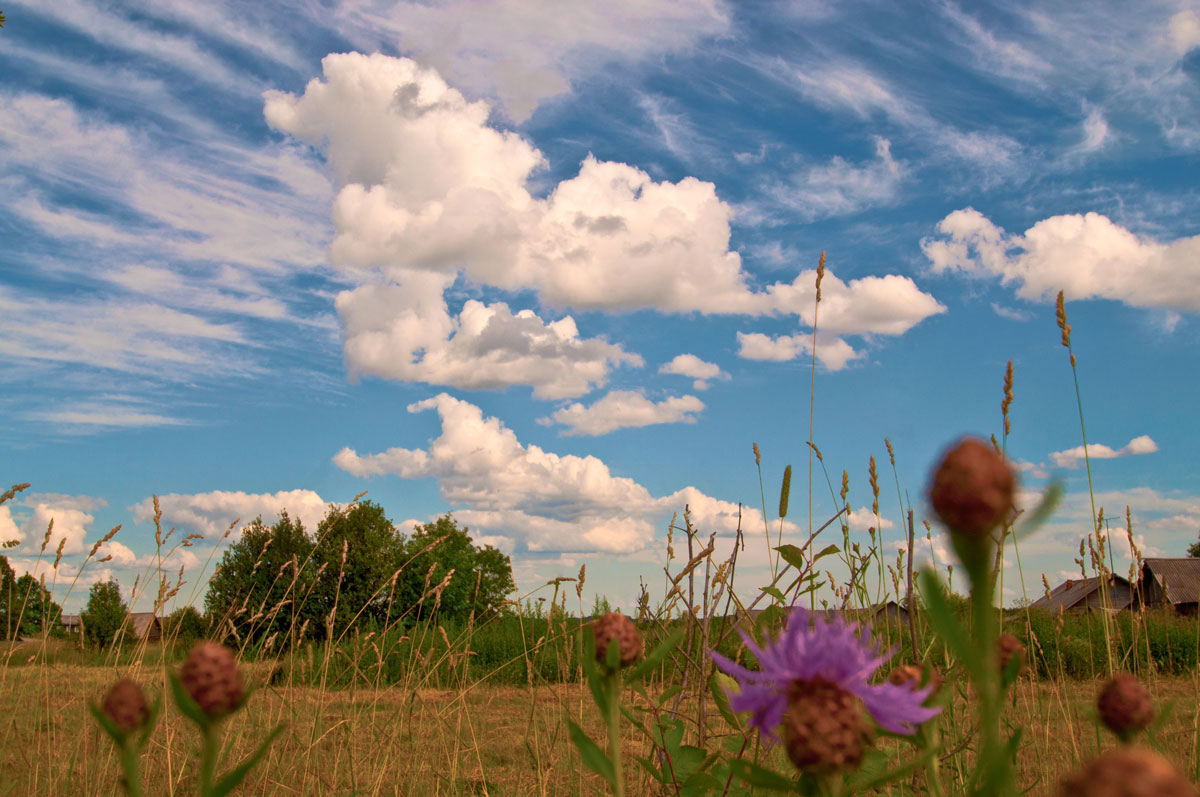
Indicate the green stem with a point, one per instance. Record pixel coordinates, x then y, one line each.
129 754
614 731
208 758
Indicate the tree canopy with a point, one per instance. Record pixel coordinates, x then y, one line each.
104 614
482 579
261 582
26 607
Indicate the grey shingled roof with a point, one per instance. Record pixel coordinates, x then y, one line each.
1180 578
1069 593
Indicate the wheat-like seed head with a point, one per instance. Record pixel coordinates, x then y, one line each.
820 274
874 486
46 539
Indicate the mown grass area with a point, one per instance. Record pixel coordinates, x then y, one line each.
476 739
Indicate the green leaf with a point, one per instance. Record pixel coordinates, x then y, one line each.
668 694
761 777
591 671
793 556
236 775
830 549
947 626
592 755
107 724
151 721
655 657
871 781
717 686
634 720
1033 521
648 765
775 593
190 708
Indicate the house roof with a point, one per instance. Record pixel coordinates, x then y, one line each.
143 622
1071 592
70 619
1179 578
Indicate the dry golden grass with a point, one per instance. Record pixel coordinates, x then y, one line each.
477 740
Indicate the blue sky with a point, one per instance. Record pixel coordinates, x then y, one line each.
553 268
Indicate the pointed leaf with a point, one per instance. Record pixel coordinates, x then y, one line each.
763 778
829 549
592 755
236 775
793 556
655 657
947 626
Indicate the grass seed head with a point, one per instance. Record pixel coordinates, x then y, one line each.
1125 706
825 729
973 488
616 628
212 678
125 704
1127 772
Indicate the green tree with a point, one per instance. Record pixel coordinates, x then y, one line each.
8 613
482 578
184 625
104 614
265 567
1194 548
32 608
360 586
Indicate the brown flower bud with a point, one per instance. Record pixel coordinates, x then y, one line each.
616 627
1127 772
972 488
125 704
913 676
824 728
1008 646
212 678
1124 705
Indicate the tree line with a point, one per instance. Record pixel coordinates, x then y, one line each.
281 581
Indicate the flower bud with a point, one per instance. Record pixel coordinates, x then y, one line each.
824 729
1008 646
1124 705
615 627
973 488
125 704
1127 772
212 678
913 676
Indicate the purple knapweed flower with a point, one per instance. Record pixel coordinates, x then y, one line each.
810 650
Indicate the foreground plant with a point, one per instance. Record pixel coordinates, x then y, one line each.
1127 772
208 689
813 691
128 720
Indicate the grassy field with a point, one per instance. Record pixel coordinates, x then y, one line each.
476 739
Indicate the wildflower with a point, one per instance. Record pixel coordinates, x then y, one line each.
616 627
1124 705
814 682
1127 772
126 706
1008 646
972 488
211 677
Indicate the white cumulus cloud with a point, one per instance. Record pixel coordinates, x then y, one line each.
832 352
211 513
1074 457
699 370
623 409
1086 256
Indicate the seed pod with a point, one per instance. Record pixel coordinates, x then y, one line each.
125 704
1123 771
212 678
1124 705
1008 647
973 488
616 628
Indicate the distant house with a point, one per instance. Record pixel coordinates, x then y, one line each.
891 610
1171 582
146 625
1086 595
72 623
